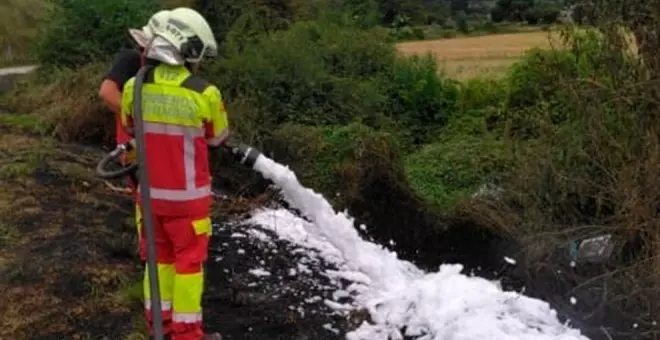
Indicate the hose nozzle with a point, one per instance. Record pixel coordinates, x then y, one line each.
101 170
243 153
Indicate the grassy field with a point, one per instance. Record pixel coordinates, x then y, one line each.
490 55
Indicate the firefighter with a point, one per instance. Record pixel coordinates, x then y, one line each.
183 114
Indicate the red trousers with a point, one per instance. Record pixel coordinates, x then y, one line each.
181 248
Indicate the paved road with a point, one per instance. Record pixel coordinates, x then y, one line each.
17 70
8 75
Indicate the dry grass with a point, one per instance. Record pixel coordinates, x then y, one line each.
491 55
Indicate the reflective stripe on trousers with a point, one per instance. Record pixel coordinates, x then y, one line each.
191 192
165 305
187 317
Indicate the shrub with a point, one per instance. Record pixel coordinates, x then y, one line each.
538 75
81 31
315 73
481 107
418 98
543 84
363 13
335 160
456 167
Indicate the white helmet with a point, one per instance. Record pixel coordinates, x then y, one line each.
189 33
176 36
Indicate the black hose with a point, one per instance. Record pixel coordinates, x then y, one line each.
146 204
111 158
243 153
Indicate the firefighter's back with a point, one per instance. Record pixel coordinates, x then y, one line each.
177 111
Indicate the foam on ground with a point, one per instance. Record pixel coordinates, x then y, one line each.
402 299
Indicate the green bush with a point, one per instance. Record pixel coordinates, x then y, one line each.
469 152
456 167
82 31
482 99
540 94
418 98
539 75
329 72
575 105
339 161
364 13
543 84
315 73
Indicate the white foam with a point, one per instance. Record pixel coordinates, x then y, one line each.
433 306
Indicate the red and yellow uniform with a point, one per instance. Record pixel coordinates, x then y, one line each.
182 114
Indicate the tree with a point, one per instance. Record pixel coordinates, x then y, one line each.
393 9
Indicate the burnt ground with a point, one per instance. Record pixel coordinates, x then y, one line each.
269 289
66 245
69 267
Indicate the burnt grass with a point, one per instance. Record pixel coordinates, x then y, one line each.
64 260
286 304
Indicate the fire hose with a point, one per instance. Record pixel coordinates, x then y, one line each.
243 153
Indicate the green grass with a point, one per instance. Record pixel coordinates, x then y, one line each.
133 292
30 123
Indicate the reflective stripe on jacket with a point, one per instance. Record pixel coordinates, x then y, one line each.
182 114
